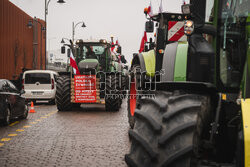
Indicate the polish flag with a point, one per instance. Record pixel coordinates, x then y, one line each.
150 10
117 43
73 64
143 41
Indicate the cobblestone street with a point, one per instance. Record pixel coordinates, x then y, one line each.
88 137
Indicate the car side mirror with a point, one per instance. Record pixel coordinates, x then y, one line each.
22 92
149 26
68 52
63 49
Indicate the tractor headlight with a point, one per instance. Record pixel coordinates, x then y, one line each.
188 27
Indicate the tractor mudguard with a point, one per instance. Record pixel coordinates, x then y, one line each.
138 59
245 105
146 60
149 60
174 65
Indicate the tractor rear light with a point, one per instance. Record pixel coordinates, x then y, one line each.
188 27
52 84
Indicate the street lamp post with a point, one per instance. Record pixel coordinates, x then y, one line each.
46 13
73 29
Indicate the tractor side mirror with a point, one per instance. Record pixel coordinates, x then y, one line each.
123 60
119 50
146 48
68 52
149 26
63 49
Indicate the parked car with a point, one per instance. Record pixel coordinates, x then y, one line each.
12 102
40 85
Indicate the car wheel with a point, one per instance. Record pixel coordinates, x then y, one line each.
25 114
6 120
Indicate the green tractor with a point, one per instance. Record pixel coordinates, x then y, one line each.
99 79
198 114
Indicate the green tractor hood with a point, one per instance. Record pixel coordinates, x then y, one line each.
88 65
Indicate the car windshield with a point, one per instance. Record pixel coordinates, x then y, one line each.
42 78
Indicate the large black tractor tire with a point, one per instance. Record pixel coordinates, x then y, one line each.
125 84
112 94
63 91
168 129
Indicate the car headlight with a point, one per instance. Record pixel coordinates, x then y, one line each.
188 27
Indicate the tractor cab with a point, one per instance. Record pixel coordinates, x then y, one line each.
170 29
93 56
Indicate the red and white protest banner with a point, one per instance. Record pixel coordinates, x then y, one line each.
85 88
176 31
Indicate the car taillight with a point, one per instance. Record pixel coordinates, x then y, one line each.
22 83
52 84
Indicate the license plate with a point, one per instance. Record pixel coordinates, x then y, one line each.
37 93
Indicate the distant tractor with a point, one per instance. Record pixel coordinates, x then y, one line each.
200 113
99 81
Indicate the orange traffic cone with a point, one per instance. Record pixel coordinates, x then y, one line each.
32 109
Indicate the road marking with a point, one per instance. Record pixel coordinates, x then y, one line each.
5 139
19 130
14 123
26 126
33 122
38 120
11 135
1 144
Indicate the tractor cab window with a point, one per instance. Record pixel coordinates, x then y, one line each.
93 51
232 40
167 6
209 11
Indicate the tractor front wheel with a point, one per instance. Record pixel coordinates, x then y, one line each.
112 94
63 91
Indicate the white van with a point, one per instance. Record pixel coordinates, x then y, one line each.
40 85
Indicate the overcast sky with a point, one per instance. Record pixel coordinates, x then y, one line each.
123 19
